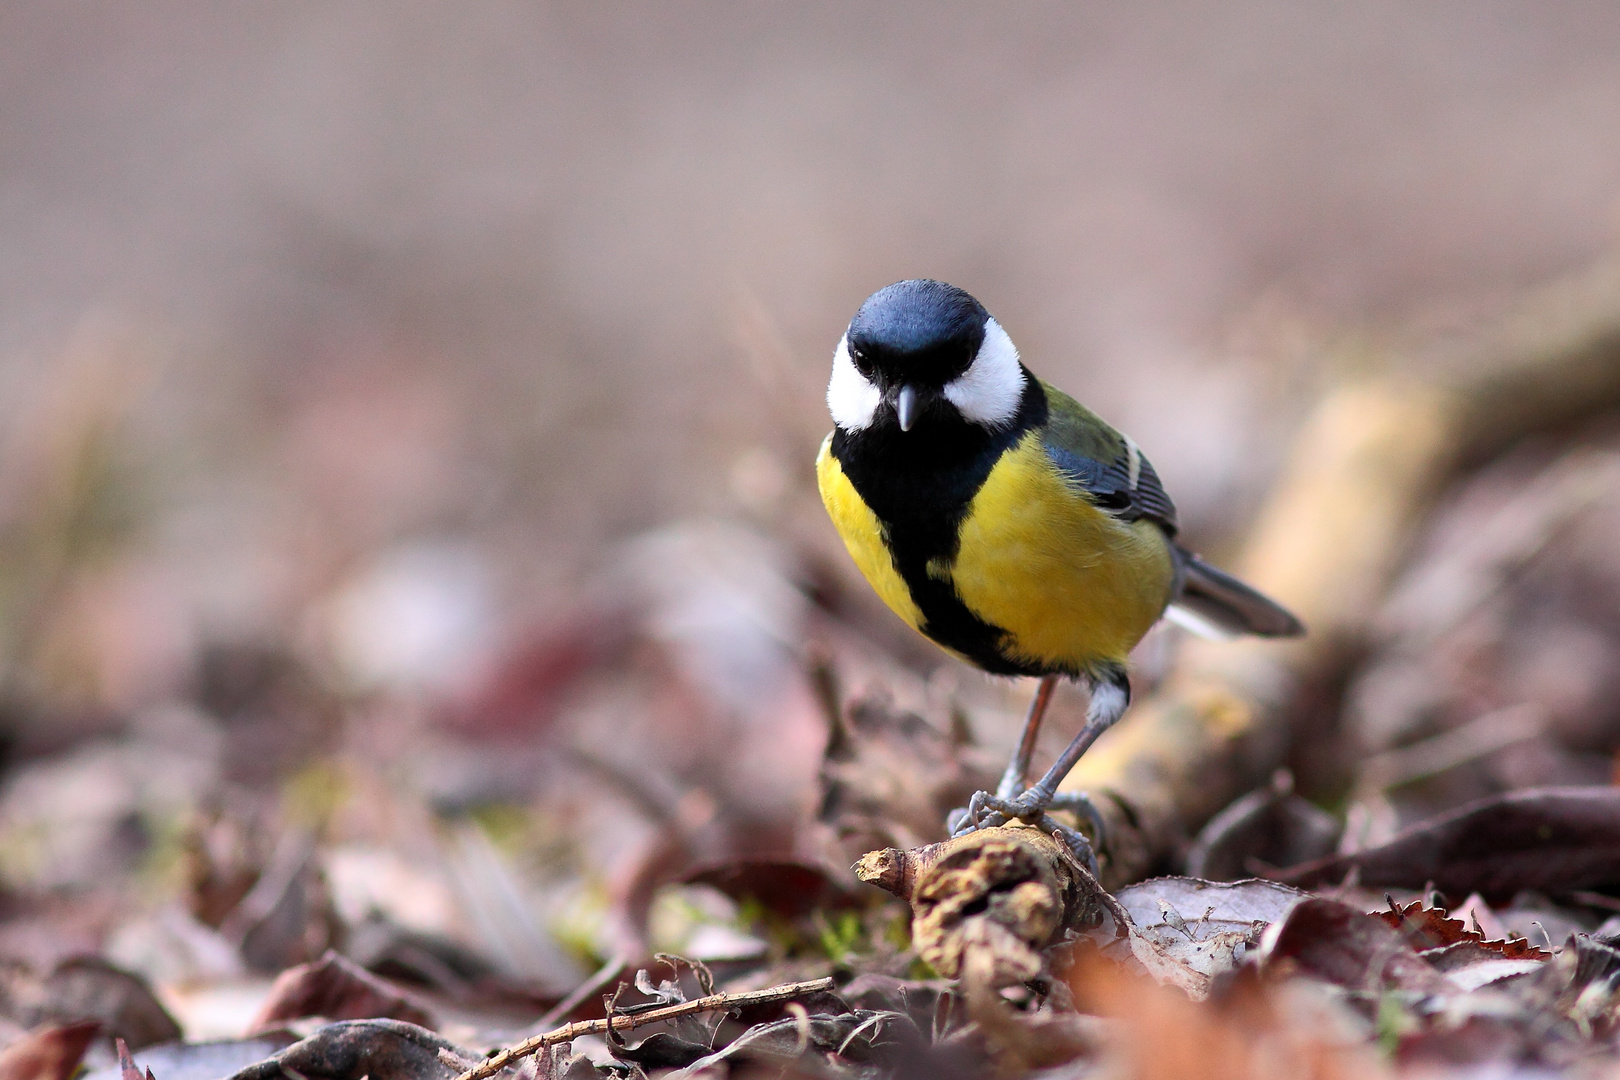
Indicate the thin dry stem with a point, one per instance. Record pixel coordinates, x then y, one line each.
620 1022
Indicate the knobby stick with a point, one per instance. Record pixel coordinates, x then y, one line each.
621 1022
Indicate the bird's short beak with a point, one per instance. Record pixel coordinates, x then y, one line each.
905 407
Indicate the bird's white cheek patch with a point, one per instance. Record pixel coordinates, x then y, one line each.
852 400
989 391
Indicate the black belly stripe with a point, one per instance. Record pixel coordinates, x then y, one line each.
919 484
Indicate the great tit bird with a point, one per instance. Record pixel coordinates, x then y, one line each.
1008 523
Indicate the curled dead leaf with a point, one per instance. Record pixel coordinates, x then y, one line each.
1445 941
1018 879
354 1049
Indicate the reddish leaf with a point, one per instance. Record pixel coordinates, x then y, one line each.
1248 1030
1432 929
337 989
519 698
51 1053
1336 943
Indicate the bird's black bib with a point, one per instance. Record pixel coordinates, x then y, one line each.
920 484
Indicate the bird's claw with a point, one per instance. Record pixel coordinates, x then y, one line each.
986 811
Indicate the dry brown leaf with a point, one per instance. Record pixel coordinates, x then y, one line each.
1185 931
355 1049
89 988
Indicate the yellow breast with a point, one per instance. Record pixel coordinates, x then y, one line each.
862 534
1071 584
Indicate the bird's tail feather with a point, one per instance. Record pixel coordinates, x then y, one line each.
1216 604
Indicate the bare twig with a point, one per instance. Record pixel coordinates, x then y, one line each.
621 1022
1116 910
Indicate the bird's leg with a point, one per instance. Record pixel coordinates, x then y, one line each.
974 815
1014 779
1109 697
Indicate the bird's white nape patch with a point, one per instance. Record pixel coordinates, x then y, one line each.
851 398
989 391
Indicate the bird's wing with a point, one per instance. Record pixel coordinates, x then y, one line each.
1106 465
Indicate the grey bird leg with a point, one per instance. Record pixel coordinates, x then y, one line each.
1013 780
1108 701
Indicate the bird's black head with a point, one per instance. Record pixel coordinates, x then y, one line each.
922 351
920 331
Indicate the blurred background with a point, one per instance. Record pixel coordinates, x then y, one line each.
408 538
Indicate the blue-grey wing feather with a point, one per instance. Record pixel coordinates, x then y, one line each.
1109 485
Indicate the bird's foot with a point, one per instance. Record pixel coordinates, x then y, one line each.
986 811
1080 805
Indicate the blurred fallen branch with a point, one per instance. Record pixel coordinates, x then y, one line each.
1327 543
621 1022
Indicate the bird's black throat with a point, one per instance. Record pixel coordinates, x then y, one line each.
920 483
